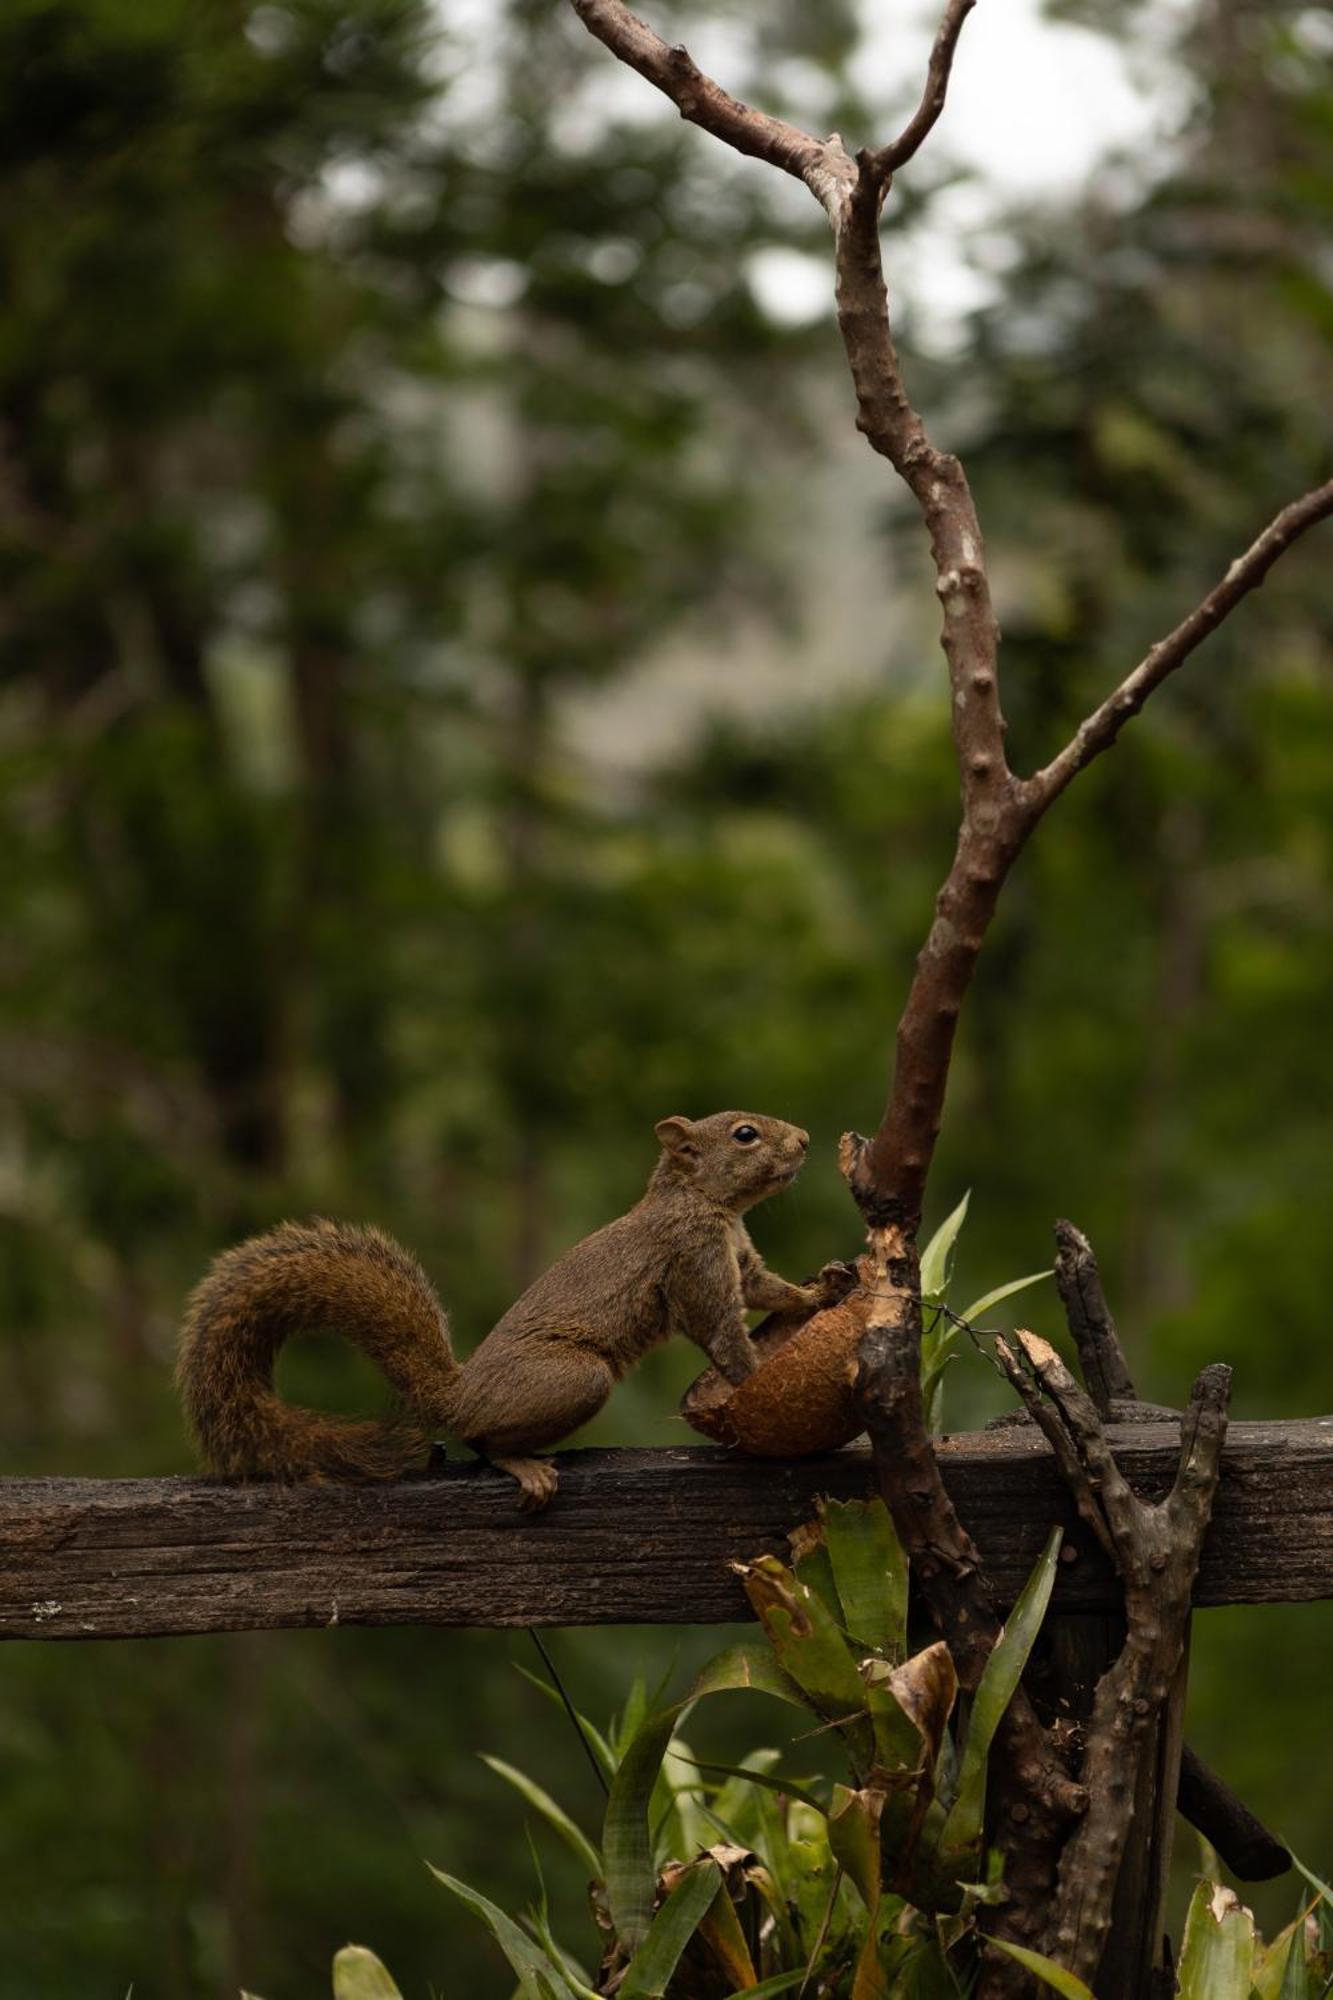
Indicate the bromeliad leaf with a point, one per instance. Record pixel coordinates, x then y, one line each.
631 1718
917 1969
1067 1983
937 1258
910 1708
685 1828
538 1975
359 1975
627 1847
671 1929
553 1813
1004 1668
805 1636
870 1572
747 1665
811 1565
1294 1983
780 1982
989 1299
853 1831
1279 1967
721 1935
771 1781
1217 1957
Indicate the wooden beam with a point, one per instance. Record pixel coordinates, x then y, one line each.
632 1537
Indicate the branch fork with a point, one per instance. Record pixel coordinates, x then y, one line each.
1155 1548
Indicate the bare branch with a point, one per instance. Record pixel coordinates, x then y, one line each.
889 1175
1079 1283
889 158
1051 1425
824 165
1156 1550
1100 729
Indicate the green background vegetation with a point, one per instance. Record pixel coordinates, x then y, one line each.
390 429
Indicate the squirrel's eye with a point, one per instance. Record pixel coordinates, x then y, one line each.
744 1135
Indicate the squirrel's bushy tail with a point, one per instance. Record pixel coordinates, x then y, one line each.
311 1277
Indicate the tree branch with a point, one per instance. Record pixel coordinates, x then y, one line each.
823 165
889 1172
1156 1549
1033 1798
889 158
1099 730
1079 1284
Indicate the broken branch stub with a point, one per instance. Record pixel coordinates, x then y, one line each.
1156 1548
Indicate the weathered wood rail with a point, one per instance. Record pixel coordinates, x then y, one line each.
632 1537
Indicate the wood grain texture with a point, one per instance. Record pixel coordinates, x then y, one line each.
632 1537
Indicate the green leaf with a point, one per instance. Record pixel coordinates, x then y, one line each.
1217 1956
995 1691
805 1636
1054 1975
937 1258
933 1366
358 1975
812 1567
627 1848
919 1970
1325 1893
779 1982
1280 1966
552 1812
749 1664
771 1781
601 1749
631 1718
672 1928
989 1299
1293 1975
684 1827
736 1804
537 1974
870 1571
853 1832
721 1934
910 1708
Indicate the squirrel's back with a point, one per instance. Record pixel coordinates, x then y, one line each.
308 1277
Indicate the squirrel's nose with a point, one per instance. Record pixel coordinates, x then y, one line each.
802 1139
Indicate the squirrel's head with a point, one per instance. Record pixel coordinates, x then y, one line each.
734 1157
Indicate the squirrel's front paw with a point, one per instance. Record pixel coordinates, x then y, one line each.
834 1281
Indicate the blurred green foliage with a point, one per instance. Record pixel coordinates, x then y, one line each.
385 401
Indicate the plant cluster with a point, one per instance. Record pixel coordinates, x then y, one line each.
711 1882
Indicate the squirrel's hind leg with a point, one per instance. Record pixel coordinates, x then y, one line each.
543 1401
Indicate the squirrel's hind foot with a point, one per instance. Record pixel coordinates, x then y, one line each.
537 1478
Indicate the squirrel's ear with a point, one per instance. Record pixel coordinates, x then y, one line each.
677 1136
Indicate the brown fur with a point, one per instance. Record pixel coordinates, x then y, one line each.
679 1261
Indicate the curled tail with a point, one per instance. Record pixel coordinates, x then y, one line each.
309 1277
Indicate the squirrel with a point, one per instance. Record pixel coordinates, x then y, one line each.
680 1261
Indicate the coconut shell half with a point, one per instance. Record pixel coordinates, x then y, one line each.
801 1398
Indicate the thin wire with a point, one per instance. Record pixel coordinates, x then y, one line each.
570 1709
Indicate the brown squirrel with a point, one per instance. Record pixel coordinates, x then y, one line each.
679 1262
